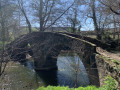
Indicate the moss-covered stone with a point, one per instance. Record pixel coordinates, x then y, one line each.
107 66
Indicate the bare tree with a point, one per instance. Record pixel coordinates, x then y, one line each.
6 13
47 11
95 18
22 8
43 11
91 12
113 5
73 19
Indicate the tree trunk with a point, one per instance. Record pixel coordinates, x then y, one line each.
20 2
3 45
27 21
114 28
73 29
41 15
119 32
95 20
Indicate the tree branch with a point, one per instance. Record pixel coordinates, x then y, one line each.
114 11
110 8
60 15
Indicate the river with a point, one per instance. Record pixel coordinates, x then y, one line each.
71 72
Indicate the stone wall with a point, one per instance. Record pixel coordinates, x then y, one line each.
106 66
97 42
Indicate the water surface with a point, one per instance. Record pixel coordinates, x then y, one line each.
71 72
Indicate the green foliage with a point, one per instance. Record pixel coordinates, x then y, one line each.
67 88
117 68
116 62
109 83
69 30
87 88
28 45
106 37
34 29
25 30
54 88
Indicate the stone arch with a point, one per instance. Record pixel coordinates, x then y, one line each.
19 53
44 44
53 52
49 61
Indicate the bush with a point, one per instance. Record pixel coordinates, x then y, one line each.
106 37
109 83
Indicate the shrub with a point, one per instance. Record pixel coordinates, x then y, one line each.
109 83
106 37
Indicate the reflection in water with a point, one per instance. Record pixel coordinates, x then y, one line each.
70 71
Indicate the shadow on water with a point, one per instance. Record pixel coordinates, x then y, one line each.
66 74
48 77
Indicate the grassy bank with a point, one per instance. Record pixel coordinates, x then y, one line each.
110 84
67 88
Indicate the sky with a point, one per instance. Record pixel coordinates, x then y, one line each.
88 25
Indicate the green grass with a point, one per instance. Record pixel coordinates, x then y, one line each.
92 36
116 37
1 44
110 84
114 63
67 88
25 30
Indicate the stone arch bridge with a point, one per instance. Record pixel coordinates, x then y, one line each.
44 47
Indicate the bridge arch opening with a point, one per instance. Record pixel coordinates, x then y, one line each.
91 71
71 69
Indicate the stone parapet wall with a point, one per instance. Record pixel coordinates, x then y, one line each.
106 66
97 42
